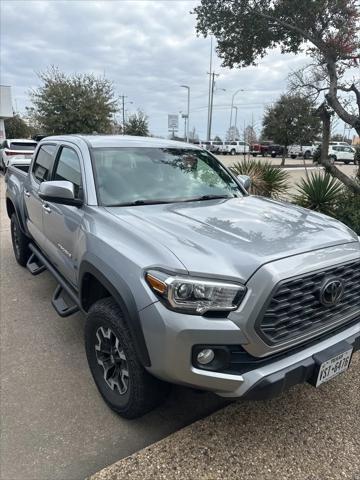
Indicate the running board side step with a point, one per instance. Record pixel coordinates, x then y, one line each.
63 304
34 265
65 299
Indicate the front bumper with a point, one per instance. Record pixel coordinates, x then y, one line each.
170 337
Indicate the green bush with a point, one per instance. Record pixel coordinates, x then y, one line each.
267 180
319 192
325 194
347 210
357 154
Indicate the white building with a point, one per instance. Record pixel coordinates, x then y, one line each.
6 110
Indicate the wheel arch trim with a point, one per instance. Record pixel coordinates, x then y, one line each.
125 299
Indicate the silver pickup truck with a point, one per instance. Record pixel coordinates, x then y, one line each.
184 277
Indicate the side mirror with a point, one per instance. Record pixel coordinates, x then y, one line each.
245 181
59 192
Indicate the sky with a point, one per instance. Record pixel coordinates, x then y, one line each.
147 48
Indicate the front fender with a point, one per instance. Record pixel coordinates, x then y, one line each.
122 294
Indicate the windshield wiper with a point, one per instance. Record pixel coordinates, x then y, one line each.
139 202
208 197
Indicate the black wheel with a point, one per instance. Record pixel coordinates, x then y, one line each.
124 384
20 242
307 155
293 156
273 155
254 154
347 162
332 158
233 151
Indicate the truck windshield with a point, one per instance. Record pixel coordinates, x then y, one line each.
137 176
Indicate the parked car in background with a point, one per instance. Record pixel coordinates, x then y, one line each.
304 151
13 147
345 144
276 150
20 161
342 153
236 148
206 145
216 146
259 149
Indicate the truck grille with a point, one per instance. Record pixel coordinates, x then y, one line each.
295 309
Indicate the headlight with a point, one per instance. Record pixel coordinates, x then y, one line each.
193 295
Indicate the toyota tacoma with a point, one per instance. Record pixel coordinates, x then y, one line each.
183 276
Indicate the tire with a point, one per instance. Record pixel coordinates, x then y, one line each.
141 392
307 155
332 158
293 156
233 152
20 242
347 162
273 155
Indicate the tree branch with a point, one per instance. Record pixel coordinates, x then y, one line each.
292 27
352 88
334 102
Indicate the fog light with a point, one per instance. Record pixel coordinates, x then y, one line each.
204 357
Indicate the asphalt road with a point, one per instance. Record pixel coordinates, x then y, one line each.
54 423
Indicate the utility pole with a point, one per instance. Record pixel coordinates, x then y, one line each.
123 112
210 89
213 75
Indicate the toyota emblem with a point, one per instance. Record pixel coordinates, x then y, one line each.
332 292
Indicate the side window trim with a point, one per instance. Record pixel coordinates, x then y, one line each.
35 158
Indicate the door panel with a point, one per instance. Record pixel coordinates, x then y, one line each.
41 171
62 223
62 229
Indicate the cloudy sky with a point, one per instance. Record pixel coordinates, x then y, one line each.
147 48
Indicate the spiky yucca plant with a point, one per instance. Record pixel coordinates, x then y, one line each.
320 192
267 180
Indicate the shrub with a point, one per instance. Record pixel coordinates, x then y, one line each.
319 192
347 210
267 180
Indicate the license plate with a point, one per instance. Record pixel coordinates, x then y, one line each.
333 367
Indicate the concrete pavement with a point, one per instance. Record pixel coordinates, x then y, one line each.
306 434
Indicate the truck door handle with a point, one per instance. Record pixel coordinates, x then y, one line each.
46 208
26 193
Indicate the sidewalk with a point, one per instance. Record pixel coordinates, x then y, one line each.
307 434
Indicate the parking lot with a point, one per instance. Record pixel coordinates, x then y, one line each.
55 425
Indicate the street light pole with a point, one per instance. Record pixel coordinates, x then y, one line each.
236 110
188 111
232 104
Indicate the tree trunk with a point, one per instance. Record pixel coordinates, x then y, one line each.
325 116
283 157
333 101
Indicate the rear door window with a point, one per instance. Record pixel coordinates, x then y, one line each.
44 162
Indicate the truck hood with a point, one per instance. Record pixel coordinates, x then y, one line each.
233 237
